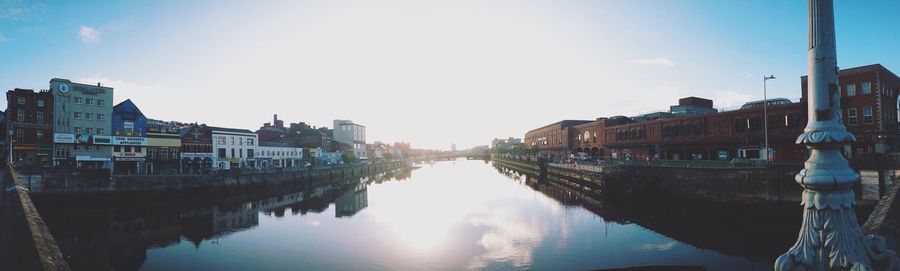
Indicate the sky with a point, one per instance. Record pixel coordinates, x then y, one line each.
432 73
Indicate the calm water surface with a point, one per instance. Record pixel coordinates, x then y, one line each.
457 215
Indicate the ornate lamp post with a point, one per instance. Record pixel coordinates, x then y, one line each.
830 237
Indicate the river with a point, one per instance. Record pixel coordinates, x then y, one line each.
452 215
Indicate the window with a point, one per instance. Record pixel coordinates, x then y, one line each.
89 116
240 141
851 90
100 102
20 135
88 147
138 149
39 136
794 119
777 121
866 88
77 130
101 116
232 151
76 115
232 143
250 142
40 103
867 114
89 101
117 148
851 116
100 131
220 140
20 115
39 118
221 152
89 130
127 148
79 100
21 100
740 125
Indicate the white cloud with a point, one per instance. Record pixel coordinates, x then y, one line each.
89 35
652 61
729 99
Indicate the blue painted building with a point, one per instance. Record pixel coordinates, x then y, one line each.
129 139
128 120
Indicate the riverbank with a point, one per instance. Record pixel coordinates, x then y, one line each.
750 185
81 183
29 245
25 241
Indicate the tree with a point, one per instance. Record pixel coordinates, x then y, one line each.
348 158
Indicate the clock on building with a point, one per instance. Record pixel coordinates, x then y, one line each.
63 88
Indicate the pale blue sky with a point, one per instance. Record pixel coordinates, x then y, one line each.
429 72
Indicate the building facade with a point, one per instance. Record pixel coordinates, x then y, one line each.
869 100
81 112
29 125
163 151
129 140
274 131
351 134
234 148
196 149
274 155
553 140
869 104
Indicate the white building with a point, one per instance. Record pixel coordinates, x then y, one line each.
271 155
233 148
351 134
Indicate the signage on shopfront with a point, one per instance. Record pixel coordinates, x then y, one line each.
129 140
196 155
64 138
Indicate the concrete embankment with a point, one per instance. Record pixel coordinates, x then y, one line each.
25 241
763 186
74 183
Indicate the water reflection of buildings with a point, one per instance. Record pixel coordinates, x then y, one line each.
733 230
351 202
117 238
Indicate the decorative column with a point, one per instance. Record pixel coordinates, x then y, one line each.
830 237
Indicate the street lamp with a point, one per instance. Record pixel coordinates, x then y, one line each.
766 115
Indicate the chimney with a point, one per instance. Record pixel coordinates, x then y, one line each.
99 85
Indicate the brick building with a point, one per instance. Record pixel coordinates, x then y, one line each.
693 130
868 108
713 136
29 124
553 140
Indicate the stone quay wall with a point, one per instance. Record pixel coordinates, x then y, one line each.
71 183
739 185
25 241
